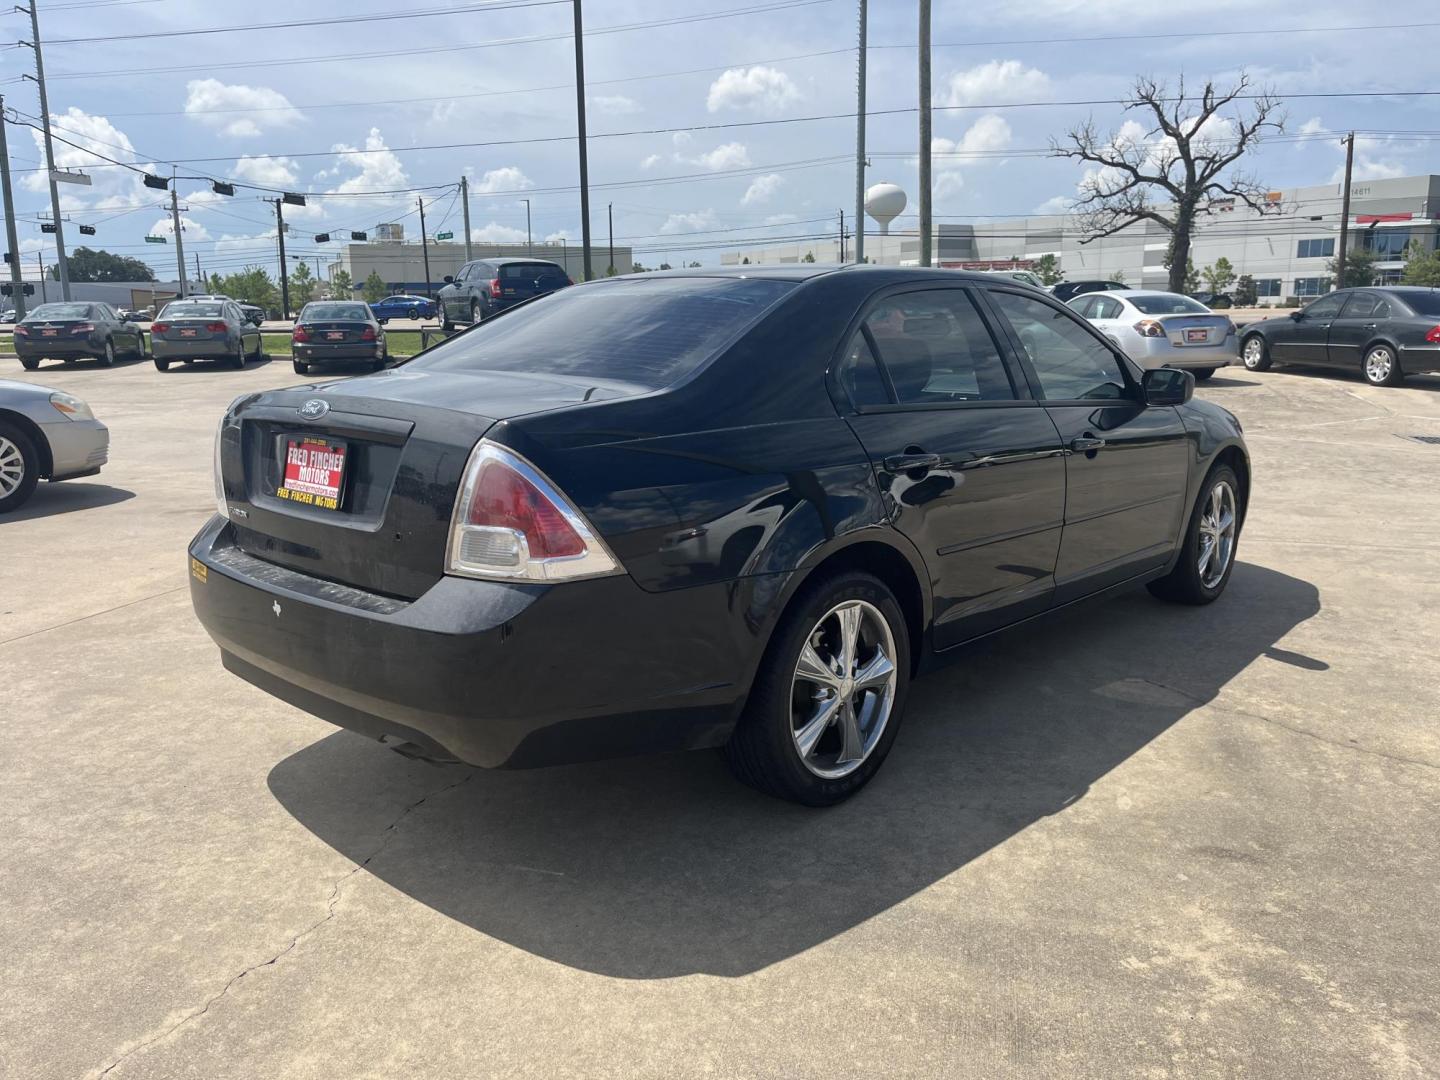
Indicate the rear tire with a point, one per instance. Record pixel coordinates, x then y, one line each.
1255 353
1202 374
1195 581
19 467
161 365
29 364
107 355
238 360
785 701
477 313
301 368
413 313
1381 367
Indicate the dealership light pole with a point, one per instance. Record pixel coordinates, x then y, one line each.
925 208
860 142
1349 142
39 78
580 117
529 247
11 241
610 220
465 207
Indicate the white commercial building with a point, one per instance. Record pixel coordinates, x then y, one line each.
1286 249
401 264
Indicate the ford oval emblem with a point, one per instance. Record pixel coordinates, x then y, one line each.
314 409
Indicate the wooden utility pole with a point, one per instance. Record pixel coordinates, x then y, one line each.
926 229
1349 142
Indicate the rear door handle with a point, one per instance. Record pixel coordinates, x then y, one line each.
1080 444
911 462
1368 326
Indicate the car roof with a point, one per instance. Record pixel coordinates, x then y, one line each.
810 271
1130 294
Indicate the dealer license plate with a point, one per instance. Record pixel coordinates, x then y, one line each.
314 472
49 333
187 333
1201 335
334 335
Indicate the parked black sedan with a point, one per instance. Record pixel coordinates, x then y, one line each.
76 330
1383 333
488 286
1066 291
702 509
337 331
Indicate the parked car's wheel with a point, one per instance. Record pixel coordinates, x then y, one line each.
476 312
107 354
1255 354
1207 555
827 701
237 359
259 353
1381 368
413 313
161 365
301 368
29 363
19 467
141 352
381 321
1201 374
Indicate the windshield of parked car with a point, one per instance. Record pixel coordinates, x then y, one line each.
336 311
62 311
193 311
1421 301
1168 304
648 331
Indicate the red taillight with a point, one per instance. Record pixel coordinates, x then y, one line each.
1433 336
300 333
1149 328
494 286
368 334
511 522
21 331
159 327
216 327
83 328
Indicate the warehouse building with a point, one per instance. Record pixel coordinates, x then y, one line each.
1285 249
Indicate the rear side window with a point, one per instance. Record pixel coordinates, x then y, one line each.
644 331
1361 306
936 349
1106 307
1421 301
1070 364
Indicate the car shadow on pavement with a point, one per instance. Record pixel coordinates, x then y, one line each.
50 500
216 365
665 866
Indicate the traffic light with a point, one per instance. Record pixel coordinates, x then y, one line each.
87 230
221 188
28 289
322 238
9 258
291 199
48 226
6 290
156 182
359 236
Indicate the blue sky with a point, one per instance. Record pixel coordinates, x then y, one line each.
237 105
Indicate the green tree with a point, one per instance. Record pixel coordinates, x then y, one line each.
341 287
1421 267
610 271
745 261
693 265
302 285
1220 276
1047 268
1192 277
85 264
1359 268
1245 294
253 285
374 288
637 268
1118 277
809 257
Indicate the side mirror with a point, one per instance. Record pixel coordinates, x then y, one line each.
1168 386
1297 314
449 279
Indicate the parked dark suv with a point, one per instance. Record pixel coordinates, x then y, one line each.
703 508
487 286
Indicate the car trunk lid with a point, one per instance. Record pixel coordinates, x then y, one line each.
1193 330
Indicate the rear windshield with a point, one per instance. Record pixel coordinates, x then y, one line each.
1168 305
648 331
62 311
336 311
192 311
1422 301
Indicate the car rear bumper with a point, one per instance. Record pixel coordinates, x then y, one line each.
356 350
57 348
196 349
489 673
1161 352
77 447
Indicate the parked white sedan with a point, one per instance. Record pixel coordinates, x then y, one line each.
1162 329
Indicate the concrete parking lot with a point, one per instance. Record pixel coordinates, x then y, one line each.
1137 841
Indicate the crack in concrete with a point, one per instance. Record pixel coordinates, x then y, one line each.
387 835
92 615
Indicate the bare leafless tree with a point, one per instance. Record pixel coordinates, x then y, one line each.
1178 169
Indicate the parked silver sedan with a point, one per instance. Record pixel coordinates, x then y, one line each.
205 328
45 433
1162 329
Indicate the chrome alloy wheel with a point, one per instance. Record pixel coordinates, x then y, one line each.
1253 353
1218 524
843 690
12 468
1378 363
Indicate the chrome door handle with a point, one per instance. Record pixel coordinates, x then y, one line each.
911 462
1083 443
1368 326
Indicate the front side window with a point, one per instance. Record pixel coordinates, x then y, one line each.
1328 307
936 349
1069 363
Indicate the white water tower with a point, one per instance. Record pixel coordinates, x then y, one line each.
885 202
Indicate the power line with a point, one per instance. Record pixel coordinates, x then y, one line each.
1287 30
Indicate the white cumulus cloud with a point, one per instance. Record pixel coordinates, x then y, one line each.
191 230
650 161
267 171
227 107
495 233
731 155
507 178
996 81
761 88
692 222
976 146
377 167
762 189
614 104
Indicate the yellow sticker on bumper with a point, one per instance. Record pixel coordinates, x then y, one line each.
198 570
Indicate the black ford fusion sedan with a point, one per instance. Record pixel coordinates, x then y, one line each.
702 509
1383 333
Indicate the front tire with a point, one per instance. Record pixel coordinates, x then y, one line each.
413 313
107 355
1381 368
19 468
1207 555
1255 353
828 698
